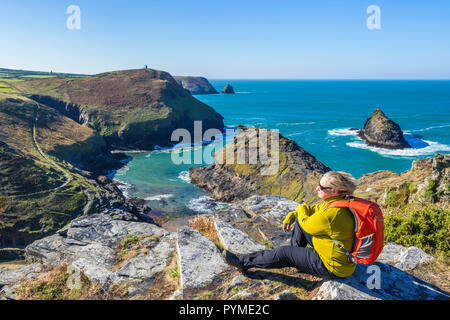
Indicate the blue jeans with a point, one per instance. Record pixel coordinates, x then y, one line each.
306 260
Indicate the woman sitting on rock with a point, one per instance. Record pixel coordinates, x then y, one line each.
314 225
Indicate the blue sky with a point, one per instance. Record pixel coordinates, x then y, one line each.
231 39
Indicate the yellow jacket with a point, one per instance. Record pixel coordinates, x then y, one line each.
337 223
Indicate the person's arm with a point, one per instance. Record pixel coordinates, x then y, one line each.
291 216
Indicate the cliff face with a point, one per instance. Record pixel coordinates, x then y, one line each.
380 131
295 177
196 85
130 109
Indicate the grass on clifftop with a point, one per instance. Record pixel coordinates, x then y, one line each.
426 227
53 285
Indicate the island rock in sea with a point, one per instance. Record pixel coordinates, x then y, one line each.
381 132
196 85
295 176
228 89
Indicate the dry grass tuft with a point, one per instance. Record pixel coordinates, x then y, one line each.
129 248
53 285
205 225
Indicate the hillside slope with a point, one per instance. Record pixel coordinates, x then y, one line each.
38 195
130 109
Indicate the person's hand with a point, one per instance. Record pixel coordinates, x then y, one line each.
286 227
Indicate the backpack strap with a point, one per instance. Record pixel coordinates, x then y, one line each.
349 256
344 204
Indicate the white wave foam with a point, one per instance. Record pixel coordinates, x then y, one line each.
342 132
293 123
184 175
432 148
123 186
129 151
294 134
203 204
159 197
430 128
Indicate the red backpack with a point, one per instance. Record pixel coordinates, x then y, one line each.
369 229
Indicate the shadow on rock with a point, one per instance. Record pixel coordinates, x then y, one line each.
283 278
379 281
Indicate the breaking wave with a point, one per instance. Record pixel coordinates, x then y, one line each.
159 197
342 132
184 175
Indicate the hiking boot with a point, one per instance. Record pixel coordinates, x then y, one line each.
232 259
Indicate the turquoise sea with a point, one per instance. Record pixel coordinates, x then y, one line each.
317 114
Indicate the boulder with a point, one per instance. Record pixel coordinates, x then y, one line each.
235 240
145 266
270 207
199 260
384 280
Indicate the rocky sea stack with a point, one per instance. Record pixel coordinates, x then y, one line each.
381 132
196 85
228 89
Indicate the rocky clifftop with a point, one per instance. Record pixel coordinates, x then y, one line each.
428 181
120 259
196 85
380 131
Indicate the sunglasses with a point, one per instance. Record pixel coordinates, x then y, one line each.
324 188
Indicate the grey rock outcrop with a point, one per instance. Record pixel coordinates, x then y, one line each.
146 266
384 280
90 244
199 260
235 240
